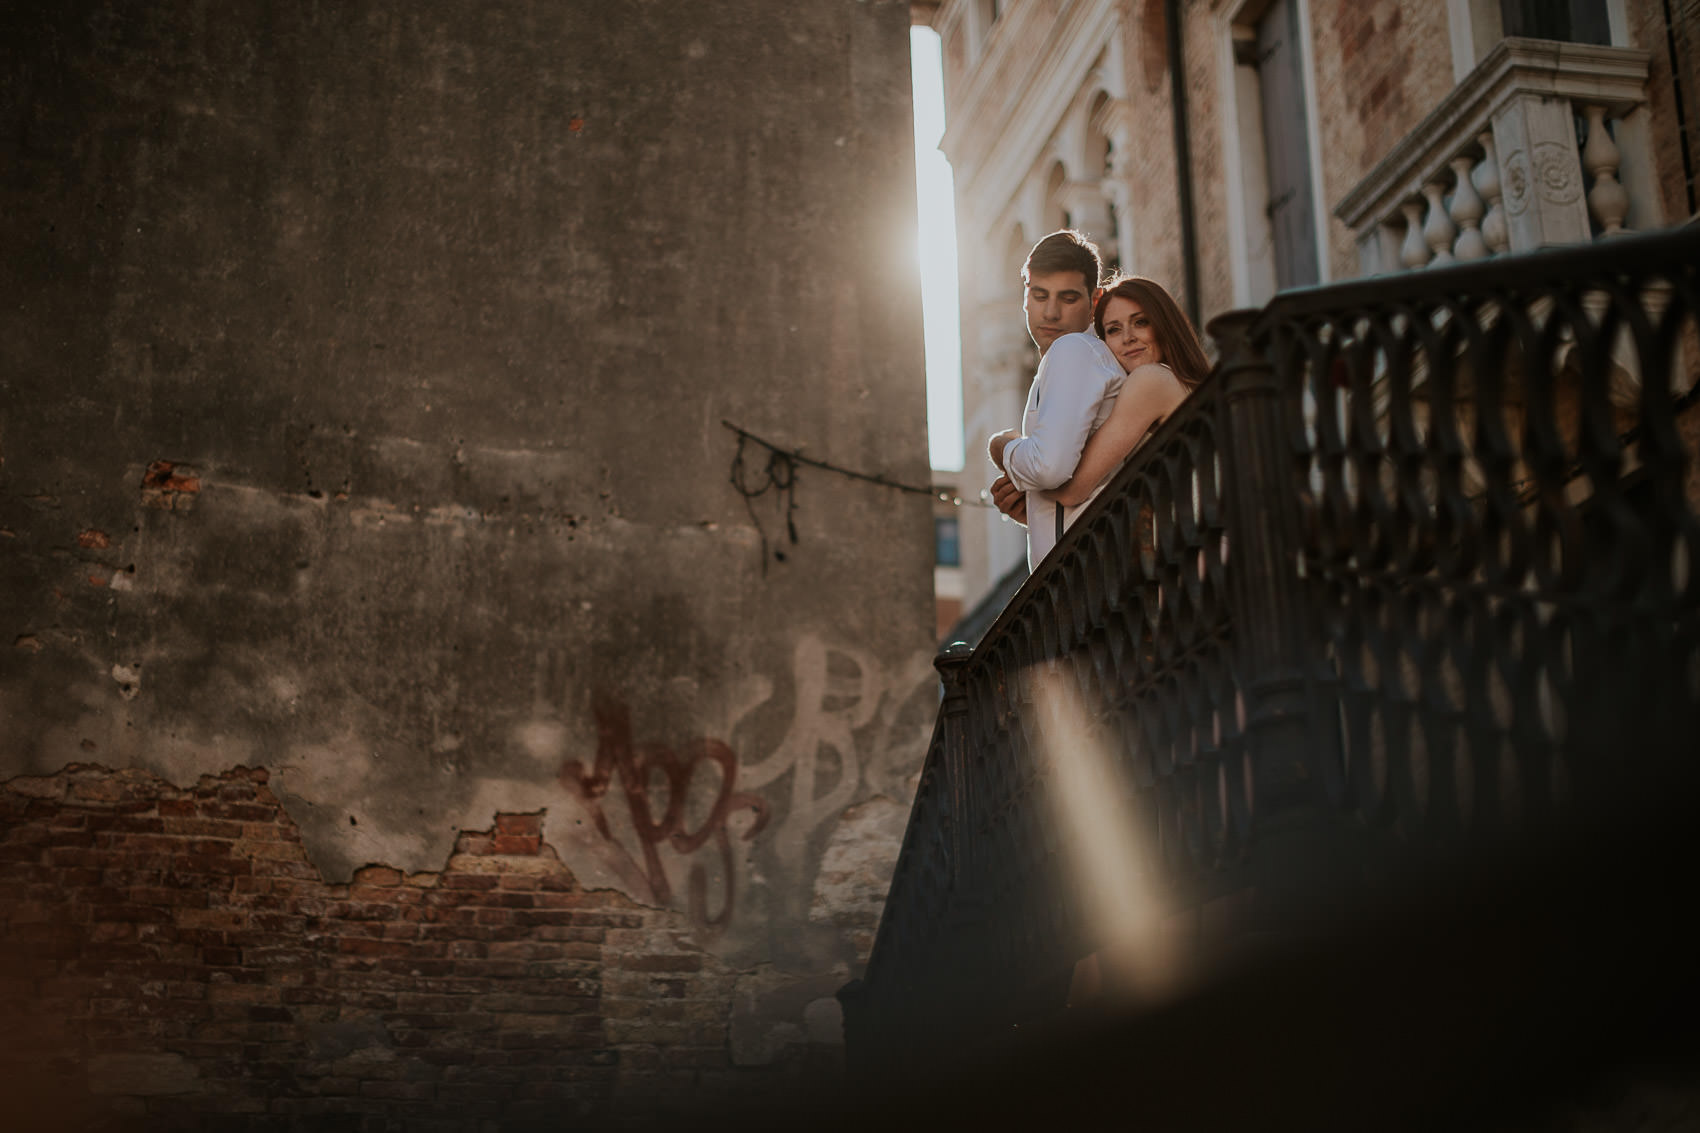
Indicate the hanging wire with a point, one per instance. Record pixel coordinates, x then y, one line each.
780 475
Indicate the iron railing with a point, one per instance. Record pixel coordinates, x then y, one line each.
1413 576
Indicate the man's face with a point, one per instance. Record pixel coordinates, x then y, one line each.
1058 303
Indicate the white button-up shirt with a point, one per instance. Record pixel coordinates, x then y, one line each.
1072 394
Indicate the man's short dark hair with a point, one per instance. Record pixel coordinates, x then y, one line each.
1067 250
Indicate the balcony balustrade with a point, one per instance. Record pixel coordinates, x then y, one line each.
1412 578
1543 144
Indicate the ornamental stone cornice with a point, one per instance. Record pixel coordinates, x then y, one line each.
1590 74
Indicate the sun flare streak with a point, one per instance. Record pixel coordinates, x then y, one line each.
936 247
1101 846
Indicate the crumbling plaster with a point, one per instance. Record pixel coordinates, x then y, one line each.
383 350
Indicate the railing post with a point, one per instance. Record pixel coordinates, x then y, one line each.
1292 841
1541 171
952 663
906 1012
967 961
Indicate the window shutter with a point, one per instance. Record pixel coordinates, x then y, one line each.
1286 141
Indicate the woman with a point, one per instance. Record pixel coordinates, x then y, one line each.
1155 343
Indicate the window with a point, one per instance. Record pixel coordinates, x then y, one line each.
1286 141
1477 26
1056 209
1570 21
947 541
1275 225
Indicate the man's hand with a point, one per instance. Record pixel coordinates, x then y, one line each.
995 446
1010 500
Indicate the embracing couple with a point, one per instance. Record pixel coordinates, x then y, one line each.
1096 395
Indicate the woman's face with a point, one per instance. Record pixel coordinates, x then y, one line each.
1129 334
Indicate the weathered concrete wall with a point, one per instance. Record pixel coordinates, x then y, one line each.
360 421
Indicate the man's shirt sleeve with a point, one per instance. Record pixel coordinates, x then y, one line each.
1071 385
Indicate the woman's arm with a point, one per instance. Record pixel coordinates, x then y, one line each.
1148 395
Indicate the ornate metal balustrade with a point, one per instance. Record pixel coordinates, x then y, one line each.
1414 575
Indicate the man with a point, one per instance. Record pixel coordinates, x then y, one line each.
1072 393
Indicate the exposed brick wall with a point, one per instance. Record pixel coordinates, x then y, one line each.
1381 67
172 960
1149 164
1648 29
1209 174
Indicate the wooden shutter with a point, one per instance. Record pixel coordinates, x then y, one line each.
1286 141
1683 29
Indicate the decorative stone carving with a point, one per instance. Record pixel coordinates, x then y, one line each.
1516 183
1557 174
1543 172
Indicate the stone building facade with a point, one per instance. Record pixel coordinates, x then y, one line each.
404 714
1315 141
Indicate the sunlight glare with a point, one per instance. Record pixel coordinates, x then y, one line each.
1101 847
935 198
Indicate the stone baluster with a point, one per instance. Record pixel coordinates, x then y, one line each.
1607 200
1486 180
1466 212
1387 237
1438 229
1413 253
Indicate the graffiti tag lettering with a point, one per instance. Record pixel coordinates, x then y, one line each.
634 768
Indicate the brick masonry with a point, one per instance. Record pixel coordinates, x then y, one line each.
172 960
342 344
1379 67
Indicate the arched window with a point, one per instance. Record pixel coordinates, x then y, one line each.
1056 209
1015 255
1101 157
1100 150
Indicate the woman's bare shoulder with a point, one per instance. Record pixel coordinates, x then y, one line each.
1153 371
1155 379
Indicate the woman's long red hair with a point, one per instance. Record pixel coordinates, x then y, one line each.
1176 339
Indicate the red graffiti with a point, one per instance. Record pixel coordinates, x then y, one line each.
617 757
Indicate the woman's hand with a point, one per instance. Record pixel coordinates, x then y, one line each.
1010 500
